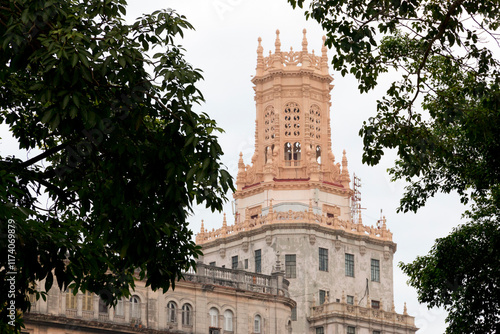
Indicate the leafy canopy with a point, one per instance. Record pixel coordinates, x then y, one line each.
115 148
440 114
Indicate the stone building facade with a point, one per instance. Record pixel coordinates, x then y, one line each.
294 202
212 300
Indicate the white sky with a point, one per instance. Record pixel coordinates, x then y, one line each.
224 47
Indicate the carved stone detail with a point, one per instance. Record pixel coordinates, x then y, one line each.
312 239
269 240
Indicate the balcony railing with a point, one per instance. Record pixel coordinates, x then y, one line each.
239 279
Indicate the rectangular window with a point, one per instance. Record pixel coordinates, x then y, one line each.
294 314
246 263
375 304
290 266
258 268
351 330
375 270
322 297
70 300
349 265
323 259
119 308
212 264
320 330
234 262
88 301
350 300
376 332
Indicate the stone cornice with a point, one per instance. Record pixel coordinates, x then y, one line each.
262 229
329 187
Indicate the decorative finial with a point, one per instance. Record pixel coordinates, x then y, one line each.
405 310
304 41
277 44
224 222
360 221
202 227
324 57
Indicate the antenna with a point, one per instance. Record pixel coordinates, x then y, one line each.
356 198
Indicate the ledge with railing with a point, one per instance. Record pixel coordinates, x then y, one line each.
359 312
239 279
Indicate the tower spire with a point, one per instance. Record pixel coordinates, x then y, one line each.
277 43
304 41
260 58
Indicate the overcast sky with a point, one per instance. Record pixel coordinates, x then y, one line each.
224 47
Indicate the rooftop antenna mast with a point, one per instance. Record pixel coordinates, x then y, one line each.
356 198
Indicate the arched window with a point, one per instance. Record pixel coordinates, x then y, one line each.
228 320
135 307
187 314
288 152
214 317
171 311
296 151
257 324
318 154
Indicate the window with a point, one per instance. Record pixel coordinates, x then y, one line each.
323 259
246 263
296 151
376 332
212 264
70 300
329 215
322 297
288 152
214 317
187 314
258 268
375 304
234 262
294 314
375 270
135 307
350 300
228 320
119 309
351 330
171 311
103 308
88 301
349 265
257 324
320 330
290 266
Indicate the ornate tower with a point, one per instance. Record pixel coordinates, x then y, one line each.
292 137
293 203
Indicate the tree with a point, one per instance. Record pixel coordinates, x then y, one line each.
442 54
119 154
